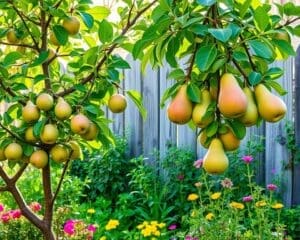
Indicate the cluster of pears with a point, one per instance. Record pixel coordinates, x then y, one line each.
246 105
48 142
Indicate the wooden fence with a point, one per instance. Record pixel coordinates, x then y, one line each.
156 132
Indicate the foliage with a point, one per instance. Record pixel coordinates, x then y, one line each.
105 171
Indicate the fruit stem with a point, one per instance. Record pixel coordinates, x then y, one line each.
192 61
248 53
246 82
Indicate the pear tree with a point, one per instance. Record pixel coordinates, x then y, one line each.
221 52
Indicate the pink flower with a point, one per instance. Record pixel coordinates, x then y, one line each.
226 183
198 163
172 227
271 187
180 177
5 217
35 206
15 214
247 159
1 207
91 228
248 198
69 227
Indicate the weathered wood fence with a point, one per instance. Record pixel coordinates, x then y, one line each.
157 132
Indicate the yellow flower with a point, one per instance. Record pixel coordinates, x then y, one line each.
237 205
192 197
103 238
154 223
112 224
209 216
161 225
215 195
260 203
91 211
156 233
277 206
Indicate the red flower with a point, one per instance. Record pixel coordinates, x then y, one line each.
35 206
15 214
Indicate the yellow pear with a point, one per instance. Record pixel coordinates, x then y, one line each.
44 101
181 108
62 109
80 124
270 107
251 115
92 132
200 109
72 25
60 153
215 160
53 39
232 101
39 159
75 150
13 151
229 140
30 112
49 134
29 136
11 36
117 103
2 155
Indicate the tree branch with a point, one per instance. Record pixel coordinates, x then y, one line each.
61 180
248 54
18 45
91 76
192 61
240 70
16 177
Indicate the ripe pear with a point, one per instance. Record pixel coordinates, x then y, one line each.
53 39
11 36
200 109
29 136
75 150
80 124
202 138
92 132
13 151
60 153
30 112
2 155
251 115
44 101
62 109
215 160
229 140
181 108
49 134
117 103
39 159
72 25
232 101
270 107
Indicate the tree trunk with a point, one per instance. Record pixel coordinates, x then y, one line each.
49 234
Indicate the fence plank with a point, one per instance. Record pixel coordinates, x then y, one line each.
296 170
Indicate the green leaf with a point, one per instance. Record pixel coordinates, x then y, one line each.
80 87
120 63
206 2
218 64
261 18
27 149
38 127
205 57
240 56
277 87
92 109
173 47
261 49
40 59
255 78
176 74
168 93
284 47
61 34
212 129
222 35
238 128
87 19
290 9
99 12
194 93
244 8
274 72
105 31
39 78
11 58
136 97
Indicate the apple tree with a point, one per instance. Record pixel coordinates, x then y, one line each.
58 68
220 53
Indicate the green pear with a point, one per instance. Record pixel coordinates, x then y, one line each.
200 110
270 107
251 115
180 109
232 101
215 160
